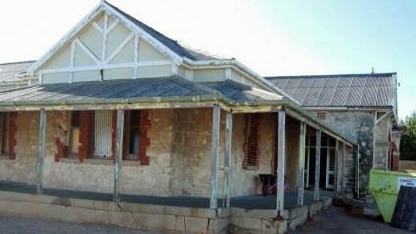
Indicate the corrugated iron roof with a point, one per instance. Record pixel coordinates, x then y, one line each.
346 90
106 90
242 93
133 89
10 72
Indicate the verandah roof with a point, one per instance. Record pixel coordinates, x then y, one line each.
163 92
163 89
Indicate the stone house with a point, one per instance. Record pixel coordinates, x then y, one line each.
117 108
363 107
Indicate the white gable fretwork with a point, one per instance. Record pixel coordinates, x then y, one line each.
105 49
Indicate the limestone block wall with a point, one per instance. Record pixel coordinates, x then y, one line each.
382 131
155 178
356 126
180 156
23 168
94 175
98 174
292 154
246 182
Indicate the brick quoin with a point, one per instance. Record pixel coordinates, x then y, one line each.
12 134
60 153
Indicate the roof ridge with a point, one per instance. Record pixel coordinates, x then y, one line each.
19 62
172 44
333 75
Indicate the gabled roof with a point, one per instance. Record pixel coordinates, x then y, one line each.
11 72
167 46
168 42
346 90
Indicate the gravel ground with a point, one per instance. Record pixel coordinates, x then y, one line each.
18 225
337 220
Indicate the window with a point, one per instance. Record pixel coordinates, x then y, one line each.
251 142
321 115
135 138
103 134
93 135
74 134
132 135
4 134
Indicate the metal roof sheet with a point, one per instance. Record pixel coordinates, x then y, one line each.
346 90
105 90
121 90
242 93
11 72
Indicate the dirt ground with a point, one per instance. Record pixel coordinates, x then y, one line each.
337 220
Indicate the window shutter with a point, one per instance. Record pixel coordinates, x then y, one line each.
251 142
144 141
86 135
12 132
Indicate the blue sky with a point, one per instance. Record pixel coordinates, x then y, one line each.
272 37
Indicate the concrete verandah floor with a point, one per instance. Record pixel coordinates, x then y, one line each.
245 202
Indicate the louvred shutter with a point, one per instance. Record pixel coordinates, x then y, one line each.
251 142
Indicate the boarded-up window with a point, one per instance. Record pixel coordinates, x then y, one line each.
251 142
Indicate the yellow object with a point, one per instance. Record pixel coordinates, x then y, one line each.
385 186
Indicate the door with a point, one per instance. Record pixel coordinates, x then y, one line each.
330 169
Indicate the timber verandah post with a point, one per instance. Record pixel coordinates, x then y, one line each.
41 151
281 164
118 155
216 116
316 195
227 158
301 174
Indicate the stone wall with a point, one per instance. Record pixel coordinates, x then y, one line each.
179 152
23 168
381 151
357 127
292 154
246 182
405 165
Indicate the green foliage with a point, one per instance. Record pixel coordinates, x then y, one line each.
408 140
